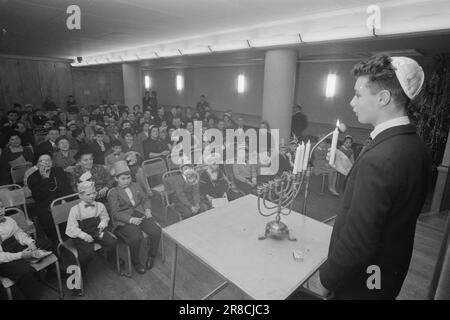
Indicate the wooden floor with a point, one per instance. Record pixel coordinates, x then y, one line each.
194 280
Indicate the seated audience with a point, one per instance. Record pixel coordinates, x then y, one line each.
245 175
13 154
153 147
99 147
86 170
79 141
48 146
16 250
38 119
86 225
284 162
47 183
213 182
64 157
129 143
187 192
116 155
131 210
144 134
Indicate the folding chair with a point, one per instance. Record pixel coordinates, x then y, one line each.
12 195
18 172
60 209
154 169
170 164
168 179
19 216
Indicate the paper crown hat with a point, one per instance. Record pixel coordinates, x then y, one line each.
409 74
85 186
119 168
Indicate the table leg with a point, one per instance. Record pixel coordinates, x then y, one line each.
174 271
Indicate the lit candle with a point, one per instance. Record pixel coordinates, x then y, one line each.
299 158
334 144
306 157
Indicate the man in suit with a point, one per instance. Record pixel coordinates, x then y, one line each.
373 236
99 147
49 146
131 210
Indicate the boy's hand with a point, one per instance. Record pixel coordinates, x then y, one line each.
103 192
148 213
27 253
32 246
136 221
88 238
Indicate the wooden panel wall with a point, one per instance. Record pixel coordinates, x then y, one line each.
30 81
92 86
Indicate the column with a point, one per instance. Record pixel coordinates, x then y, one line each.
132 84
442 187
279 85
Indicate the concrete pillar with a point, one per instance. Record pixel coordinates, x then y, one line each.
441 191
132 84
279 85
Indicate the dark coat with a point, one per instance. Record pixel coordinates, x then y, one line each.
44 191
383 197
99 155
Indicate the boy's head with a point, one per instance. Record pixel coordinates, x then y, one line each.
384 87
99 135
53 134
122 174
348 141
87 192
116 147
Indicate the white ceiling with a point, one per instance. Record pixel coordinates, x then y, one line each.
38 27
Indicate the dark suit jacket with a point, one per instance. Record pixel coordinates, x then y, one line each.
99 155
45 147
121 208
384 194
186 194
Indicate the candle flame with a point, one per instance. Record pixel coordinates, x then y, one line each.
337 124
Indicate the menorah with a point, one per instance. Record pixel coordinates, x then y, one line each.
281 192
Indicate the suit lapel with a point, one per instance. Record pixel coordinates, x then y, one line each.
383 136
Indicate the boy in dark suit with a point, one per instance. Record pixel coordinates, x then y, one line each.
99 147
373 236
131 209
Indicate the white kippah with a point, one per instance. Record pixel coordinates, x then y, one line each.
409 74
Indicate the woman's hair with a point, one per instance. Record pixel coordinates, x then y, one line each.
381 75
127 131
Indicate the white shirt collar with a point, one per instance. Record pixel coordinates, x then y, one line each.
400 121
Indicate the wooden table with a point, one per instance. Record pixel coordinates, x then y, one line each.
226 240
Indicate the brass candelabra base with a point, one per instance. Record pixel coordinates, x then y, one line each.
277 230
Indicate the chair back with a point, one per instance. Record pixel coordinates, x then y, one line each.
18 172
19 216
12 195
60 209
154 169
170 164
169 179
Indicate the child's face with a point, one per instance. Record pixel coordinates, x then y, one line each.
88 196
117 149
123 180
293 147
348 143
99 137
